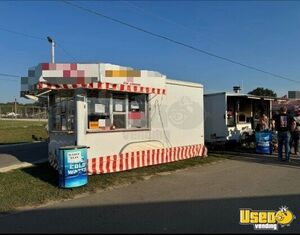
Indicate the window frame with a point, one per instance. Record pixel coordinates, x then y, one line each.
126 112
53 105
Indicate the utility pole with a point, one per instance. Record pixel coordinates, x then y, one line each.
242 85
15 106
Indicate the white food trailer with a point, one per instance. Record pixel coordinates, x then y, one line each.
229 114
128 118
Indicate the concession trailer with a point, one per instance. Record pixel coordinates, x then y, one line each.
128 118
230 114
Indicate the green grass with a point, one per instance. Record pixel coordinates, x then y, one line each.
37 185
12 131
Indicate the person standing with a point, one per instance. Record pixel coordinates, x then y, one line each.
263 121
284 125
296 134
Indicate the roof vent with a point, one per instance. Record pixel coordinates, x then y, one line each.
237 89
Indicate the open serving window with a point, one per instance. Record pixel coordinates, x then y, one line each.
109 110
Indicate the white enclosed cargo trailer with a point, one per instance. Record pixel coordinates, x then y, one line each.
128 118
229 114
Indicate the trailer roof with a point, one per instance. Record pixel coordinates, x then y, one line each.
241 95
184 83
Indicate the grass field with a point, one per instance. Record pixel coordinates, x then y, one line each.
12 131
39 184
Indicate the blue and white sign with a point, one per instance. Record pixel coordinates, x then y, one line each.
72 166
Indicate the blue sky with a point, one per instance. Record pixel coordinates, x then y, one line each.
264 34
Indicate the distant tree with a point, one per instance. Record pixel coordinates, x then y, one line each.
260 91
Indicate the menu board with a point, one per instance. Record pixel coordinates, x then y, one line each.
99 108
119 107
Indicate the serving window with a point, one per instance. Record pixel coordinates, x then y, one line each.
239 111
62 111
137 111
109 110
119 101
99 110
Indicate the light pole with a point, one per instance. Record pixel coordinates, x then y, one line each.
52 49
16 107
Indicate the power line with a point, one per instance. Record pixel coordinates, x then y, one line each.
139 9
151 14
9 75
13 78
21 34
158 16
58 44
178 42
8 80
65 51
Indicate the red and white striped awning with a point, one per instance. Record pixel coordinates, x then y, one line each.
103 86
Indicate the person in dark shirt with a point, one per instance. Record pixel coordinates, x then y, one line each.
284 124
296 134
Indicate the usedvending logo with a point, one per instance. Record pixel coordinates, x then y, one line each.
267 219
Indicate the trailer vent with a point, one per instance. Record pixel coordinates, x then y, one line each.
237 89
